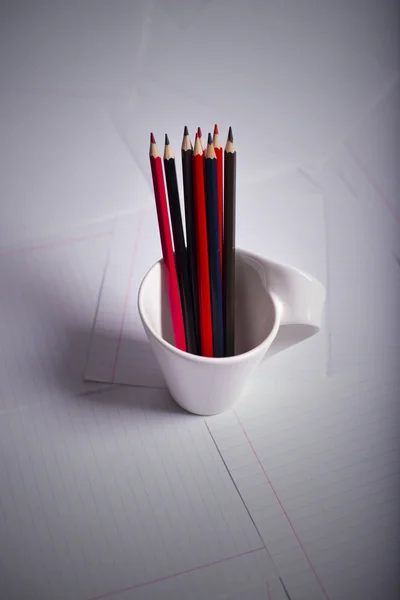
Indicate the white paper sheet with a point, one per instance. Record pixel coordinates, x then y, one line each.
119 350
63 164
116 491
48 294
361 188
318 470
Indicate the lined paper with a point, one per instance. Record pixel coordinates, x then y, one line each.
104 492
318 471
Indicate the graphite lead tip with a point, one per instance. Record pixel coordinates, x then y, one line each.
209 139
230 134
166 139
186 142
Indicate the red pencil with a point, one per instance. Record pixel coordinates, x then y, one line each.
220 178
202 251
200 136
166 246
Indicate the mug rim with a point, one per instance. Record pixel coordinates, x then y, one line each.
222 360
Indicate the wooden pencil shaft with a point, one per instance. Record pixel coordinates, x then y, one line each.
229 251
214 254
190 221
180 253
203 272
220 178
168 253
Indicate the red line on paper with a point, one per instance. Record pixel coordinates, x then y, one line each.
380 193
269 592
55 244
284 511
126 300
166 577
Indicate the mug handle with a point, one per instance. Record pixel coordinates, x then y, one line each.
299 301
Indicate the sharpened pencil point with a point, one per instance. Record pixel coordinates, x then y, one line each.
216 131
152 139
199 133
209 139
186 131
230 134
166 139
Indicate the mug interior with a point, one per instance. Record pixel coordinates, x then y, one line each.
255 311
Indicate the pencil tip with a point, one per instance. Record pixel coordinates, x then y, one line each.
199 133
209 139
166 139
216 131
186 131
230 134
196 136
152 139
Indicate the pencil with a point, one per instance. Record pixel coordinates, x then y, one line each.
190 221
199 133
171 278
220 179
214 248
203 274
229 244
180 248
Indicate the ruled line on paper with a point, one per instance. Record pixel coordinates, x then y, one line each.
269 592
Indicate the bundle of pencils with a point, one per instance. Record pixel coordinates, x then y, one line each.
200 274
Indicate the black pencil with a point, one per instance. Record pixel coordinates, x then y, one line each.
229 245
214 248
179 244
187 171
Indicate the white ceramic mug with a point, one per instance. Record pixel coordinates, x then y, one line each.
276 306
